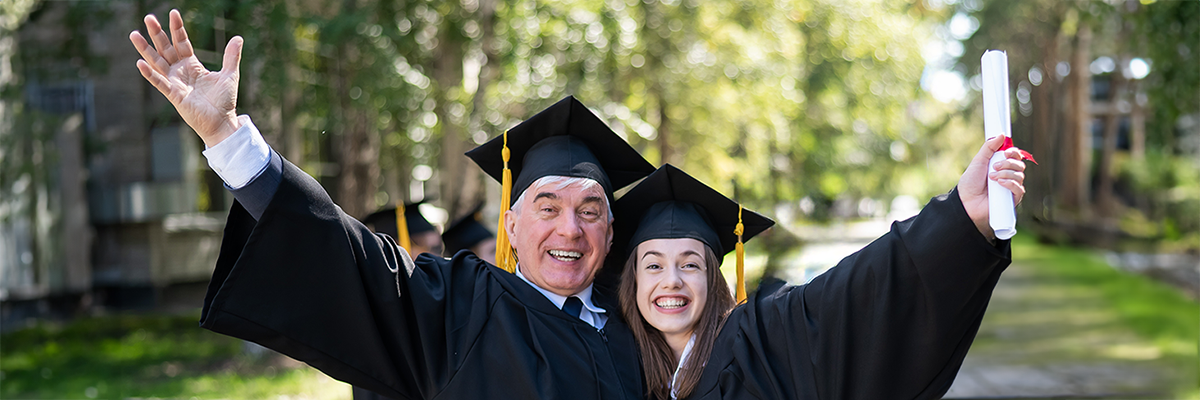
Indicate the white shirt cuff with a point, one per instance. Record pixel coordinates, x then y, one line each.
241 157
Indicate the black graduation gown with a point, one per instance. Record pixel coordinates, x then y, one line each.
892 321
313 283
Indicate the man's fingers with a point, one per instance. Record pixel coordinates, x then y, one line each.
156 79
162 43
155 61
233 56
182 45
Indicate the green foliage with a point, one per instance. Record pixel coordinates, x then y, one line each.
1160 189
1170 187
1172 84
770 103
144 356
801 98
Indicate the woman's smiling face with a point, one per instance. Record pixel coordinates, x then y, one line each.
672 284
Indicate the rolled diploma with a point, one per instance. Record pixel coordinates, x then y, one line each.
1002 215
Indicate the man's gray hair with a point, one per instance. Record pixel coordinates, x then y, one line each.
561 182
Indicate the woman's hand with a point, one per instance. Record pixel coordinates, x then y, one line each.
972 187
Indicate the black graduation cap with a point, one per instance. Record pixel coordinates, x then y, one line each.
670 204
465 232
384 220
565 139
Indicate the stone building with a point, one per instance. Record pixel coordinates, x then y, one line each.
106 200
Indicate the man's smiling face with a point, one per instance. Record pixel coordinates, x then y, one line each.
561 233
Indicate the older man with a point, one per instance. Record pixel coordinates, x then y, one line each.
298 275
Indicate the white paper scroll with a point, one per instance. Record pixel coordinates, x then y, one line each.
1002 213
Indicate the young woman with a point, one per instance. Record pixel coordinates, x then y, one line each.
893 320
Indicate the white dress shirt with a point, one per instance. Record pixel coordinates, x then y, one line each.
594 316
687 351
241 157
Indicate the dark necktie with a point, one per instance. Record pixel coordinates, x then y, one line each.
573 306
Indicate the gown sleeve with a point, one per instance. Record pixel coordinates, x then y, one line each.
893 320
311 282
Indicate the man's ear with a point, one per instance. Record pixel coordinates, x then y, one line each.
610 237
510 224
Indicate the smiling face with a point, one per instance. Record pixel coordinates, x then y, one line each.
561 234
672 284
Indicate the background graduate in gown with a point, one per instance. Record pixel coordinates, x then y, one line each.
468 233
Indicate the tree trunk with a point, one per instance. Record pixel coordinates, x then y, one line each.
1045 120
1137 123
1077 139
666 155
289 134
1104 186
447 74
357 146
474 181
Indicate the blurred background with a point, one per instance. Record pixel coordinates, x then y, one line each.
834 117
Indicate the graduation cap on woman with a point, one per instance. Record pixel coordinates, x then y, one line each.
670 204
565 139
408 216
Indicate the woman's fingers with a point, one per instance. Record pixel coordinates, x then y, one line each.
1014 164
1007 174
1017 189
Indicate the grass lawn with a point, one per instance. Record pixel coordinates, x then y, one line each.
1167 321
148 356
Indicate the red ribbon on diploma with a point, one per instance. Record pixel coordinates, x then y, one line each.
1008 144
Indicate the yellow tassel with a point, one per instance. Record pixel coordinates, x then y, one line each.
505 259
741 259
402 229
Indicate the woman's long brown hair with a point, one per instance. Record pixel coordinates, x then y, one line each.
658 362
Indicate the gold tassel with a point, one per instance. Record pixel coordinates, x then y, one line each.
741 259
402 228
505 259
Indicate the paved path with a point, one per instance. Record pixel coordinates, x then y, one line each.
1036 341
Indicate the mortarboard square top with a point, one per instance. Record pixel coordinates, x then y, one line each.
670 204
565 139
384 220
465 232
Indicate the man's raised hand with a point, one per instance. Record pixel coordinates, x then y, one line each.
206 100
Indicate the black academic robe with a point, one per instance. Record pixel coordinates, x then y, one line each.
313 283
892 321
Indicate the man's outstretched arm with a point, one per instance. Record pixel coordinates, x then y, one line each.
205 99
